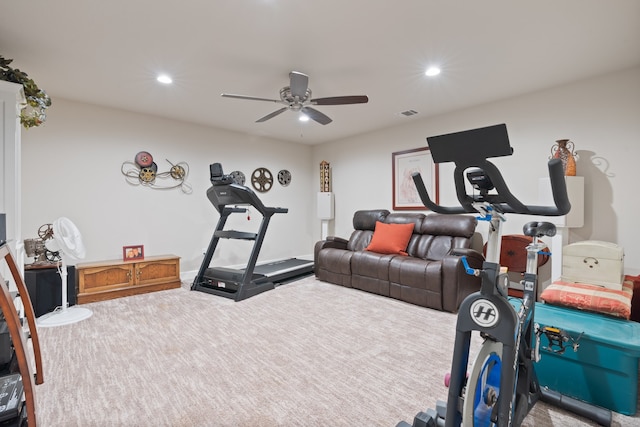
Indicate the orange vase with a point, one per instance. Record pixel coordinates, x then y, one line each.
563 150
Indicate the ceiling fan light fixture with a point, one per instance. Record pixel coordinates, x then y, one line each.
164 79
432 71
303 118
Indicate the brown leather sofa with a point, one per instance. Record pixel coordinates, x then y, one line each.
431 275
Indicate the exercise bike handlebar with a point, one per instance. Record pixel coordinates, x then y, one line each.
504 200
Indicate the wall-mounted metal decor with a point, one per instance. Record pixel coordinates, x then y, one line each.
262 180
238 177
144 171
325 177
284 177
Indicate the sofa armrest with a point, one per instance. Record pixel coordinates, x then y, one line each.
337 240
456 283
471 254
330 242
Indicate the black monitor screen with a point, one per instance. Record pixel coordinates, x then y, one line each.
472 145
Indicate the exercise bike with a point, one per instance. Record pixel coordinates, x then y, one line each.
501 387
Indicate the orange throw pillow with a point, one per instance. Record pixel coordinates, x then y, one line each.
390 238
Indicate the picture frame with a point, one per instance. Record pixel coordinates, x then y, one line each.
133 253
404 164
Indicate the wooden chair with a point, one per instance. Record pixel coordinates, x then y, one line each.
17 334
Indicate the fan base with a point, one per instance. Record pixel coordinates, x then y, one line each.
64 317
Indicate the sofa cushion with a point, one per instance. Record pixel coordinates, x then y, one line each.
439 234
589 297
370 272
449 225
334 265
391 238
406 218
366 220
359 240
416 281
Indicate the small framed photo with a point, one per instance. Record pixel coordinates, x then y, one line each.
130 253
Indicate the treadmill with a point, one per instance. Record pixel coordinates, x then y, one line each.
228 197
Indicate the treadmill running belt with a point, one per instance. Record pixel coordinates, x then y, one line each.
282 266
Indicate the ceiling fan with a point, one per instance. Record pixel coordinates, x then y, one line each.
297 97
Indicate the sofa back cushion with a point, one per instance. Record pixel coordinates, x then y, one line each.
439 234
406 218
366 220
364 223
449 225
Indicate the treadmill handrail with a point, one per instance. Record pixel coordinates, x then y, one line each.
233 209
504 200
226 197
278 210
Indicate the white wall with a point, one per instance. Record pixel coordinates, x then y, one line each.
600 115
72 167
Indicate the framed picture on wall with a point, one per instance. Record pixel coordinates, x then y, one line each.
130 253
404 164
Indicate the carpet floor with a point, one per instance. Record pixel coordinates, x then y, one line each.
305 354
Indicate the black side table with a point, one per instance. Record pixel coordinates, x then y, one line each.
45 288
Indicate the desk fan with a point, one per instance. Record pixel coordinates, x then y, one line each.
67 241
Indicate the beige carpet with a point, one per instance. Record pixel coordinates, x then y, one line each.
305 354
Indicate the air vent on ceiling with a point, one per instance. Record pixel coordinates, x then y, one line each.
409 113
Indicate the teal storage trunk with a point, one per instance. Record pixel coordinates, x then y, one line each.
604 370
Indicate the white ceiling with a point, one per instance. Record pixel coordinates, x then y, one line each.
108 53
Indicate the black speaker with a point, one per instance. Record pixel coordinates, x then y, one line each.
45 288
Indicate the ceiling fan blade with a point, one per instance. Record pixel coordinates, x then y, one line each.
341 100
316 115
298 83
252 98
272 115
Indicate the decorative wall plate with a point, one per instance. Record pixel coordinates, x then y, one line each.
147 174
262 180
144 159
284 177
238 177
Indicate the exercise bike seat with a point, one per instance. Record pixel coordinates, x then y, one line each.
539 229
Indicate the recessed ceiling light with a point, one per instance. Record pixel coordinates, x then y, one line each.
303 118
163 78
432 71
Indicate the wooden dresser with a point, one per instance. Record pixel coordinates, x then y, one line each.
99 281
